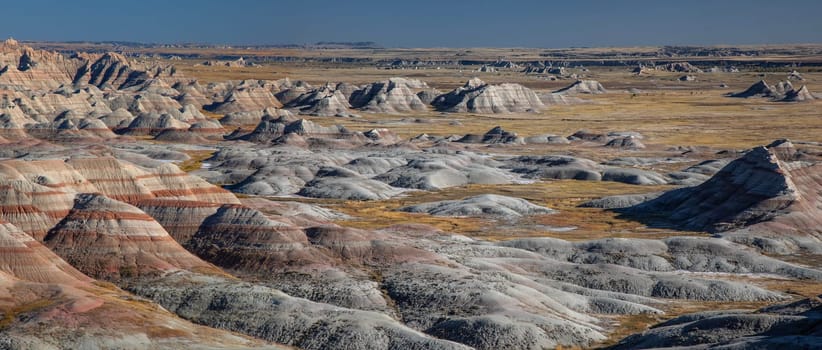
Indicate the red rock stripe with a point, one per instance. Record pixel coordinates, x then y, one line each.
30 209
126 238
130 198
15 250
175 203
148 176
10 187
188 192
110 215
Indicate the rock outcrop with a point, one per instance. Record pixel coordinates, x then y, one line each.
749 190
573 168
285 319
783 91
144 102
342 183
497 135
25 68
33 204
679 67
245 99
582 87
478 97
546 139
27 259
279 129
101 316
112 240
626 142
759 89
392 96
795 324
483 205
794 75
22 67
153 124
240 119
432 173
323 102
111 69
800 95
765 186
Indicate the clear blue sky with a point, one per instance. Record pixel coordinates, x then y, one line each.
419 23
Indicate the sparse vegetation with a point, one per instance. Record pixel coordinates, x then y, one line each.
445 285
10 315
196 160
564 196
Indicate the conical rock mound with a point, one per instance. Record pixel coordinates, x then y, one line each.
26 259
759 187
800 95
323 102
478 97
114 240
245 99
759 89
582 87
391 96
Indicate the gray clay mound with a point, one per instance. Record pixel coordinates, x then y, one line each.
796 325
560 167
800 95
582 87
620 201
759 89
476 96
497 135
341 183
751 189
391 96
482 205
627 142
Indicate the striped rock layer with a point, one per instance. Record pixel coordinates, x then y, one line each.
112 240
36 195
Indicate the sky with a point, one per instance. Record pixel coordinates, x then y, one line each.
419 23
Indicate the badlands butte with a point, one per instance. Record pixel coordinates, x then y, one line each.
343 197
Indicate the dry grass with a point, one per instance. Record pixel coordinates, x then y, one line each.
210 114
166 332
196 160
798 289
565 196
106 285
9 316
624 326
665 118
667 112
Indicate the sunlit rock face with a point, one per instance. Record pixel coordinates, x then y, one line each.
478 97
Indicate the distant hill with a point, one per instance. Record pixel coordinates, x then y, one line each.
348 45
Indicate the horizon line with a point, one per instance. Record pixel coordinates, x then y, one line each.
379 46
